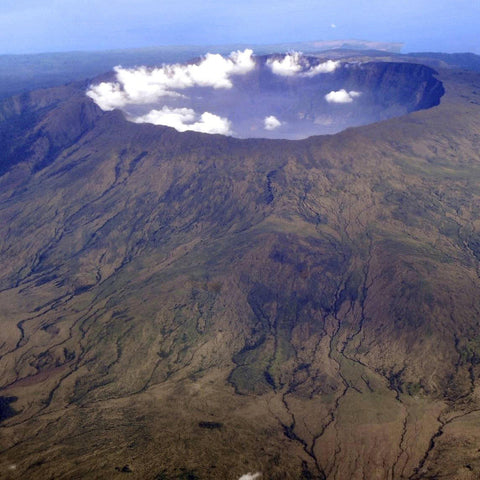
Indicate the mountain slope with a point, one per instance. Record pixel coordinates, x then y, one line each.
194 306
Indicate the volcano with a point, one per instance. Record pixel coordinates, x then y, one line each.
179 305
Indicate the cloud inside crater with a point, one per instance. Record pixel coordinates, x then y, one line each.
144 85
341 96
287 66
183 119
296 64
326 67
208 96
271 122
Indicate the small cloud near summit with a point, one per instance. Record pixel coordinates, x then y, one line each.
271 122
296 64
341 96
183 119
326 67
287 66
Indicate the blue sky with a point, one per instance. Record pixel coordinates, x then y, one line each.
30 26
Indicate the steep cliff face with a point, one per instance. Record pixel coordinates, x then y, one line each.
409 86
35 127
197 306
380 90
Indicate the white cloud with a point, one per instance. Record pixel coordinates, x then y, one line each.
289 65
183 119
341 96
326 67
295 63
250 476
133 88
271 122
144 85
107 96
332 25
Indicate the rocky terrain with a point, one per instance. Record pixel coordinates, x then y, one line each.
191 306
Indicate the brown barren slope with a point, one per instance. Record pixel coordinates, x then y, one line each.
185 306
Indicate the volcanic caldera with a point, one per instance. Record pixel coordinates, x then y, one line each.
288 96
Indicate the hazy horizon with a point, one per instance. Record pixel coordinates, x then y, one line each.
40 26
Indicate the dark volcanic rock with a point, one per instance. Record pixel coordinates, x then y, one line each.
6 411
